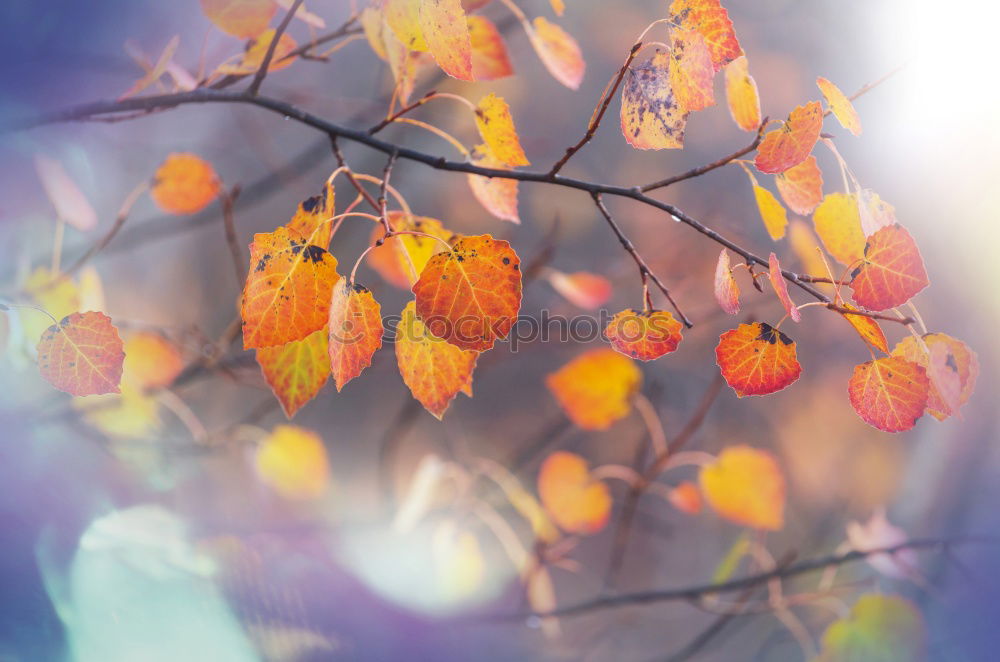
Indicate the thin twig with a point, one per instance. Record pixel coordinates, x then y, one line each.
382 204
708 167
120 219
229 223
280 30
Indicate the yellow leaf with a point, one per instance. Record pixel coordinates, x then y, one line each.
496 126
596 388
293 462
745 485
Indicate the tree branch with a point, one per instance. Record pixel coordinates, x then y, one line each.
708 167
262 71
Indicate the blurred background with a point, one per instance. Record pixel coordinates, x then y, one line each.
184 526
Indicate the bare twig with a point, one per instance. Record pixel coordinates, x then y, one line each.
120 219
280 30
229 223
708 167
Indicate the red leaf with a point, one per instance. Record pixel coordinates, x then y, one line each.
757 359
82 355
727 292
792 143
781 288
892 270
889 393
644 335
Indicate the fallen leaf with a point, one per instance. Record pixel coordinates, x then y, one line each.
470 295
288 289
297 370
82 355
757 359
746 486
841 106
558 51
596 388
643 335
727 291
801 186
293 462
891 272
742 95
889 393
355 331
184 184
490 60
434 370
496 126
839 227
792 143
781 288
651 115
578 503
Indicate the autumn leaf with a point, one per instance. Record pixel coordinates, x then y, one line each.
581 288
801 186
805 245
256 51
67 199
558 6
151 360
156 71
781 288
312 217
879 533
403 17
790 145
292 461
401 258
355 331
498 196
446 31
297 370
686 498
690 72
288 290
651 115
891 272
771 212
434 370
558 51
184 184
490 60
841 106
886 628
374 25
130 414
644 335
404 65
596 388
867 328
875 212
839 227
496 126
82 355
889 393
240 18
711 20
727 292
952 368
757 359
470 295
56 293
741 95
746 486
578 503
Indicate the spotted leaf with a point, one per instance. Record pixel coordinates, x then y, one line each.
891 272
889 393
790 144
297 370
651 115
644 335
757 359
355 331
82 355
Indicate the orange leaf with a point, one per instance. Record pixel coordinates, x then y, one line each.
355 331
312 217
951 367
471 294
558 51
403 17
293 462
288 290
82 355
256 51
496 126
781 288
710 19
757 359
686 498
434 370
240 18
839 227
868 329
741 93
489 52
644 335
297 370
70 203
746 486
651 116
771 212
892 270
446 30
790 145
889 393
691 71
596 388
558 6
151 360
801 186
498 196
875 212
184 184
727 292
841 106
581 288
402 257
577 502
